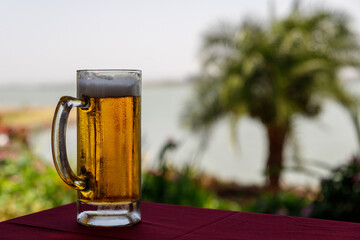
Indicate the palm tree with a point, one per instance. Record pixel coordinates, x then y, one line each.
273 72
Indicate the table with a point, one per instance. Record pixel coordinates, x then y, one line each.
164 221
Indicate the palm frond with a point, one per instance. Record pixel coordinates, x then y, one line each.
273 72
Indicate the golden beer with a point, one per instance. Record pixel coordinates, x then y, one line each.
108 178
109 150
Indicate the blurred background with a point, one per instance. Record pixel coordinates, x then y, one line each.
249 106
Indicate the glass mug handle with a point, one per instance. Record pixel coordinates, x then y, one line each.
58 141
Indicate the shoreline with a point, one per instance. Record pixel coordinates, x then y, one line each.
30 117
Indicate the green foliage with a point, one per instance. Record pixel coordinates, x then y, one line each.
169 185
181 189
29 185
280 203
273 72
340 194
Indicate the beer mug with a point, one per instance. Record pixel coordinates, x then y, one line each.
108 176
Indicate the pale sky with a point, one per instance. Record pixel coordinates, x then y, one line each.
46 41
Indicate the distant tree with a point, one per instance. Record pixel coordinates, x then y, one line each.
273 72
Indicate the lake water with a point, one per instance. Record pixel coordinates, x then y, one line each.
329 138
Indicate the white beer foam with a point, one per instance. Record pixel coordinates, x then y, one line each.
101 84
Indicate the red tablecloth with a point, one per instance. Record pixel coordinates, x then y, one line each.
163 221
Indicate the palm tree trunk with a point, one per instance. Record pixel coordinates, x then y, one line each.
276 136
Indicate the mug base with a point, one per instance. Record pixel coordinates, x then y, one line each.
108 215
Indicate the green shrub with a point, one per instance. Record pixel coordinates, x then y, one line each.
278 203
173 186
339 197
178 189
29 185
